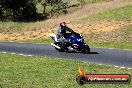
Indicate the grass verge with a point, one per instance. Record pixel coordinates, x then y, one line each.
124 13
45 72
126 45
121 38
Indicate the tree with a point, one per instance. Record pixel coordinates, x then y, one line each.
82 2
29 11
1 10
18 8
26 9
44 4
56 6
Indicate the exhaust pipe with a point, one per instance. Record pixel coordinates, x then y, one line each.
55 46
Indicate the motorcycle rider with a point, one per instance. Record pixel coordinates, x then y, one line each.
62 34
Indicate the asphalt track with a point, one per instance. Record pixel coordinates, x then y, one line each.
116 57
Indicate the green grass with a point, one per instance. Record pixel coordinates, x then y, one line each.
11 26
95 1
17 27
44 72
121 38
124 13
47 41
126 45
76 2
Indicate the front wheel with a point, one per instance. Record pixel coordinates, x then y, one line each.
85 50
60 45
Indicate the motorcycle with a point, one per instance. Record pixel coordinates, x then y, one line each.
76 43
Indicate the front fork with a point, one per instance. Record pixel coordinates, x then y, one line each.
54 37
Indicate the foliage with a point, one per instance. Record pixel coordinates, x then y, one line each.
26 9
18 9
56 6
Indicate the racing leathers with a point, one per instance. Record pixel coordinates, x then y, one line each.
62 35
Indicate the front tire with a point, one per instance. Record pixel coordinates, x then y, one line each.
60 45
